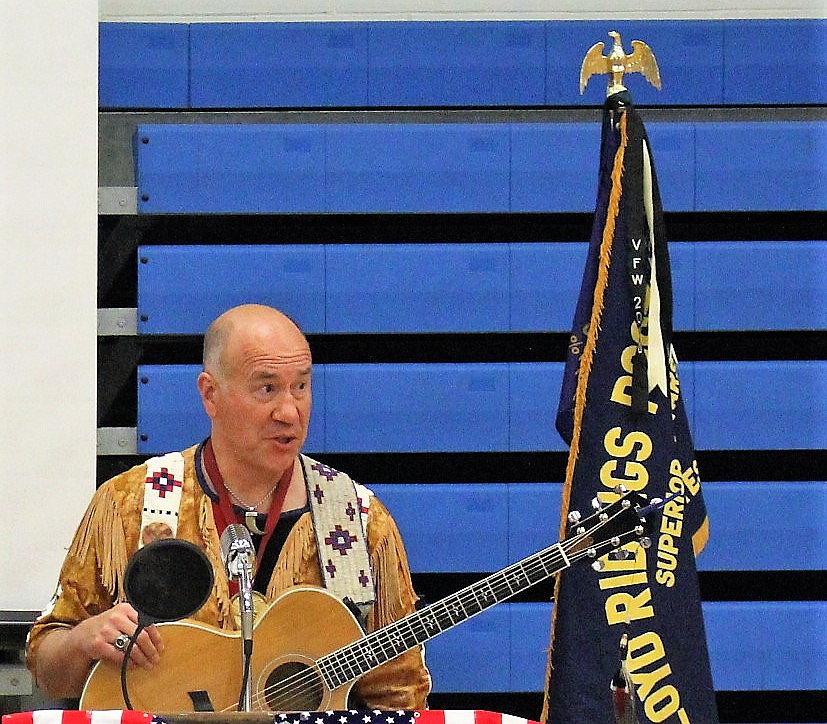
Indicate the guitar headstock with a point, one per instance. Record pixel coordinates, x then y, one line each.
611 526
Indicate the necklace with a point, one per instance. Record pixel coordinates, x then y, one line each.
244 503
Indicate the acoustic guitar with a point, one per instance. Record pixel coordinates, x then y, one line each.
309 648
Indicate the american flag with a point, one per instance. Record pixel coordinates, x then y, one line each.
428 716
67 716
352 716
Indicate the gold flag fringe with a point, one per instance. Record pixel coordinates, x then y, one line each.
587 359
700 537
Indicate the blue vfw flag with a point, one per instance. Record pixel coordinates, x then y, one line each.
635 628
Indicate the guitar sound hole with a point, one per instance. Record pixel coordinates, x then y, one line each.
293 686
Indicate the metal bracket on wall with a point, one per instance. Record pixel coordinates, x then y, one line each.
117 200
118 322
117 441
15 680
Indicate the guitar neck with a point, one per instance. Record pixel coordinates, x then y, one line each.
352 661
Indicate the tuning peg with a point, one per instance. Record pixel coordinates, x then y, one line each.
591 553
621 554
603 517
646 542
598 565
639 530
615 542
574 516
580 530
621 489
596 504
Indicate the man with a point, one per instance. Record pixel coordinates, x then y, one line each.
256 389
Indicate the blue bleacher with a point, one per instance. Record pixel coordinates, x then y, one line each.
144 65
488 63
753 646
278 64
466 167
439 64
519 519
493 287
502 407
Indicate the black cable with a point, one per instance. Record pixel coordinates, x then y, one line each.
126 654
247 660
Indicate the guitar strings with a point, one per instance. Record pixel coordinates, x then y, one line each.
306 678
293 689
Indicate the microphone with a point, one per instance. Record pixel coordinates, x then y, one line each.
239 556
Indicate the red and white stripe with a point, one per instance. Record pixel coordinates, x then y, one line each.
65 716
469 716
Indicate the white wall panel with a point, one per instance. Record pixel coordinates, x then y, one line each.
48 318
344 10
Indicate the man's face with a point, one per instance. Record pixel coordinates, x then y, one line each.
260 400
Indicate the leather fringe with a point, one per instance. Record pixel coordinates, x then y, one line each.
389 565
221 587
102 529
296 558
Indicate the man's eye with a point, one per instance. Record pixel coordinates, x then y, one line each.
268 388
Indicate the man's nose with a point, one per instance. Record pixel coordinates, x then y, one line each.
285 408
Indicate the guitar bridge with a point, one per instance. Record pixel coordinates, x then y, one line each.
201 700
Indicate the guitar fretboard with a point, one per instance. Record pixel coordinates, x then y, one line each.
349 663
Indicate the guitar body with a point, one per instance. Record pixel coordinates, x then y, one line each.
297 628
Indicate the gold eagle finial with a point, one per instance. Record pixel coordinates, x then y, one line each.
616 63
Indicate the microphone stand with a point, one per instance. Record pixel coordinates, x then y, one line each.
244 573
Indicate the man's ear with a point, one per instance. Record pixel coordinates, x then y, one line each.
207 386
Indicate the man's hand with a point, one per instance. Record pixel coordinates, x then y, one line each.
102 637
65 656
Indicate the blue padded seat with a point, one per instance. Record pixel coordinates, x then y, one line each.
767 645
417 287
269 65
365 288
143 65
496 287
453 63
774 75
478 407
753 645
441 407
484 63
435 520
761 165
181 289
764 405
240 168
415 168
466 167
761 285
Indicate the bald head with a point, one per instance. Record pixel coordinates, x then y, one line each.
256 390
239 323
